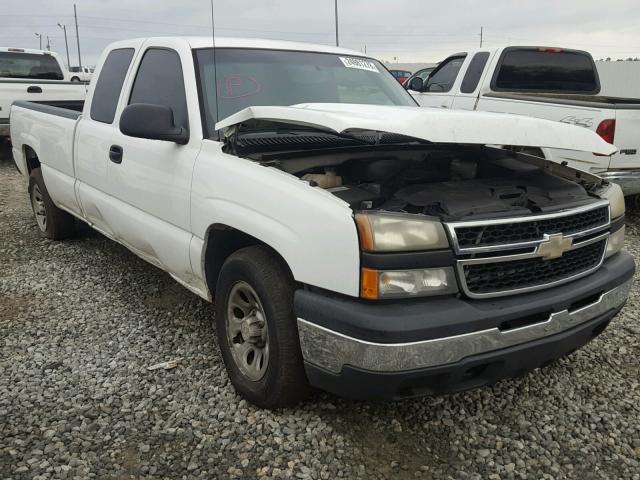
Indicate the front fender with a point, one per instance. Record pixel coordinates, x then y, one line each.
312 230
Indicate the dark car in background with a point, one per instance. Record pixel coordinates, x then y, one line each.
400 75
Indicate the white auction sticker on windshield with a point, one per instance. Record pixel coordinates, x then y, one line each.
359 63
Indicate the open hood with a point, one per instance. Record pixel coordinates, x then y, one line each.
430 124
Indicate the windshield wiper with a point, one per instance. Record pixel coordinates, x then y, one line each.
302 132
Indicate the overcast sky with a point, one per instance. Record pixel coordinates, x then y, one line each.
407 30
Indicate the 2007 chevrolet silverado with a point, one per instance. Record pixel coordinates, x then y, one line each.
352 241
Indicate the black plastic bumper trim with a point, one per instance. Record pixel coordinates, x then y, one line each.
408 260
617 223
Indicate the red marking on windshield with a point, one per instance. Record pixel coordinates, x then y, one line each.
238 86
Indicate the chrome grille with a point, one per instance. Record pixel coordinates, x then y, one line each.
499 257
486 278
515 232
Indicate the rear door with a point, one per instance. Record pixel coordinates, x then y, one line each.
95 133
468 89
439 89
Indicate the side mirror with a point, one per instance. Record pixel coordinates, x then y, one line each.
415 84
155 122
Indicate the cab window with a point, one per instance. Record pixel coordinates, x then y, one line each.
474 72
443 77
109 85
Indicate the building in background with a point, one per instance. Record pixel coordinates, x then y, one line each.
619 79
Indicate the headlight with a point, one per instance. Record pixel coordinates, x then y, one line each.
614 194
615 242
407 283
388 232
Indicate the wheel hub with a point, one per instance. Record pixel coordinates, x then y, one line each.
247 331
252 329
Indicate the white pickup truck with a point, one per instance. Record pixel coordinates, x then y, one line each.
79 74
352 241
552 83
38 76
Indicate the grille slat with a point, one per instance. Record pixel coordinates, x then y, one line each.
487 278
529 231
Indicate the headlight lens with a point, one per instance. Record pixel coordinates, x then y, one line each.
614 194
407 283
387 232
615 242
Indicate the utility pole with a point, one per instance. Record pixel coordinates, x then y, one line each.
75 15
39 35
336 5
48 44
480 37
66 44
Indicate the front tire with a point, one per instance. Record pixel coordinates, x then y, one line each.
257 330
54 223
75 79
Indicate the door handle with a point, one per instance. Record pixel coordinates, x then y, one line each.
34 89
115 153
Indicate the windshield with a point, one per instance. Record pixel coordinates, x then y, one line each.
29 65
248 77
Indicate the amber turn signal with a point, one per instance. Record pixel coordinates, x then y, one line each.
369 284
365 232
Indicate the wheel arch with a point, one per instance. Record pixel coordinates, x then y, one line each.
220 242
31 159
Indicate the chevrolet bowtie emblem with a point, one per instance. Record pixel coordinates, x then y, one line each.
553 246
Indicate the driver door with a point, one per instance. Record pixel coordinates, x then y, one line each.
150 180
438 90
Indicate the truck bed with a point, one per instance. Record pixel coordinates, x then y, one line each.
598 101
53 125
62 108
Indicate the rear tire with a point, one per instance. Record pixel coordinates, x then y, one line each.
257 330
75 79
54 223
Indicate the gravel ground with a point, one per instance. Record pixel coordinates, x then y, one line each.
81 320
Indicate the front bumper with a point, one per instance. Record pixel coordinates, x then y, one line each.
629 180
454 344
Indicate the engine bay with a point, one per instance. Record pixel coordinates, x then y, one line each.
450 184
394 173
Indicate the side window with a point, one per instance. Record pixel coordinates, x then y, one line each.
424 74
443 78
474 72
109 85
160 81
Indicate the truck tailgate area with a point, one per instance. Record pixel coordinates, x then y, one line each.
627 138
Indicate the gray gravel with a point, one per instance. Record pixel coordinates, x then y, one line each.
81 320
